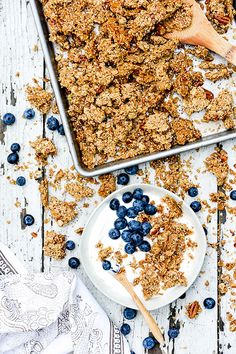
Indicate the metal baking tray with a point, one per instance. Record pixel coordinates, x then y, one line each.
60 96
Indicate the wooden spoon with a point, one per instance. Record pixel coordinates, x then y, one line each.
202 33
121 277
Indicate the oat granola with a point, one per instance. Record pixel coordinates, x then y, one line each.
62 212
43 147
54 245
217 163
39 98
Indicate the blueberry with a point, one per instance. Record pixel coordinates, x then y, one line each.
173 332
20 181
126 235
123 179
149 343
70 245
13 158
29 113
138 205
132 352
146 226
138 194
9 119
233 195
121 212
120 223
114 204
129 314
183 296
127 197
131 170
193 192
150 209
52 123
144 246
114 234
106 265
15 147
145 199
132 213
205 230
135 225
137 239
125 329
61 130
196 206
130 248
209 303
28 220
74 262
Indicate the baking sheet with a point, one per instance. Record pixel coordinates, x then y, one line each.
212 132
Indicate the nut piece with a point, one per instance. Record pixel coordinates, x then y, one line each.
224 20
193 309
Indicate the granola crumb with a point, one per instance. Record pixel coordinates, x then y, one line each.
61 211
54 245
39 98
43 189
43 147
79 231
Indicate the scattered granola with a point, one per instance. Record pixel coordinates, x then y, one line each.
62 212
43 189
108 185
78 191
193 309
217 163
39 98
54 245
220 13
43 148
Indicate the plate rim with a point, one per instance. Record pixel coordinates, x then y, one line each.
182 288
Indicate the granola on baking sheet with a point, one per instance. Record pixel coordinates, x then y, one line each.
120 73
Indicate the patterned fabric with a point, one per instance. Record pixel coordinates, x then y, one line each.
51 313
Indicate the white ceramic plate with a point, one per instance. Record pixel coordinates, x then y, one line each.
101 221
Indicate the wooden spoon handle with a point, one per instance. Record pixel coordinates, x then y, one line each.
147 316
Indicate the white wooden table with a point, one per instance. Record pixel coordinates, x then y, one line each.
207 334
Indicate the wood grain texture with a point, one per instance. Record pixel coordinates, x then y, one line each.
208 333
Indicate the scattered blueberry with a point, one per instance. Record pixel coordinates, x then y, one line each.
137 239
61 130
183 296
145 198
29 113
138 205
130 248
233 195
196 206
132 352
149 343
106 265
131 170
114 204
193 192
52 123
114 234
13 158
125 329
146 226
129 313
138 194
20 181
132 213
15 147
135 225
74 262
123 179
209 303
205 230
150 209
121 212
8 119
173 332
126 236
28 220
144 246
127 197
120 224
70 245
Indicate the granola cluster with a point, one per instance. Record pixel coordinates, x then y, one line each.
120 74
54 245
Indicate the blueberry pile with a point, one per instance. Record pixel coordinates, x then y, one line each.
53 124
132 232
13 157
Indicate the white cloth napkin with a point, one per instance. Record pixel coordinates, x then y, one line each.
50 313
